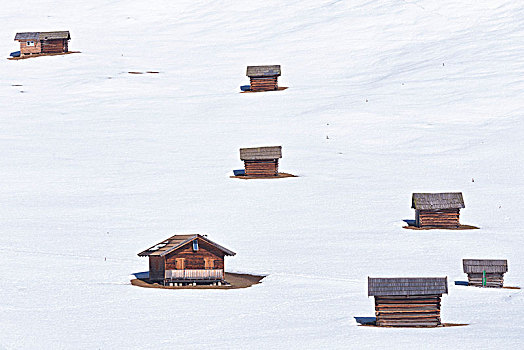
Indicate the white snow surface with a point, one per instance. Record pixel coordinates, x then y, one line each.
98 164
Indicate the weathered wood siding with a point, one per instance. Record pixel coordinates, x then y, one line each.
264 84
437 218
206 257
27 50
408 311
156 268
261 167
54 46
493 280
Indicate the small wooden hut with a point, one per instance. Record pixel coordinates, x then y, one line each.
32 43
407 302
484 272
263 78
261 161
437 209
186 259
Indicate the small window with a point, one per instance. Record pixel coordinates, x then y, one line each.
195 245
30 43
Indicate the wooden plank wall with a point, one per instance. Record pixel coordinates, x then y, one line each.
408 311
196 260
54 46
264 84
261 167
24 49
493 279
156 268
438 218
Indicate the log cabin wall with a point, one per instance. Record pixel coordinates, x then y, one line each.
493 279
264 84
27 50
196 260
156 268
261 167
408 311
437 218
54 46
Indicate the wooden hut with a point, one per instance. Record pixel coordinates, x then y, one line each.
263 78
437 209
32 43
186 259
485 273
407 302
261 161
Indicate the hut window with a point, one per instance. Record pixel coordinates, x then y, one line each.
30 43
195 245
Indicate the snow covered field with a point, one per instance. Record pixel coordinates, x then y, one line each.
98 164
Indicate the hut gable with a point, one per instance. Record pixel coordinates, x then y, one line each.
479 266
407 286
261 161
437 201
485 272
261 153
186 259
263 71
263 78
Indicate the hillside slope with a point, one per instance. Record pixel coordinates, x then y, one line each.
385 98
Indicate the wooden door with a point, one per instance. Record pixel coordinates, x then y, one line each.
208 263
180 263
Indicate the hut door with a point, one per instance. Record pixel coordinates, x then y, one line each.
180 263
208 263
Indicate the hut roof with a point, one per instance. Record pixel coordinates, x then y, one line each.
174 242
43 35
27 36
261 153
480 265
55 35
450 200
407 286
263 71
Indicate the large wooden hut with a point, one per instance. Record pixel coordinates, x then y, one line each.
186 259
484 272
437 209
263 78
261 161
407 302
32 43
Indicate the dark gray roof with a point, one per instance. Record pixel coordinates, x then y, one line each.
177 241
261 153
263 71
407 286
450 200
480 265
27 36
43 35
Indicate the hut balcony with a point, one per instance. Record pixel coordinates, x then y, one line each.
194 275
